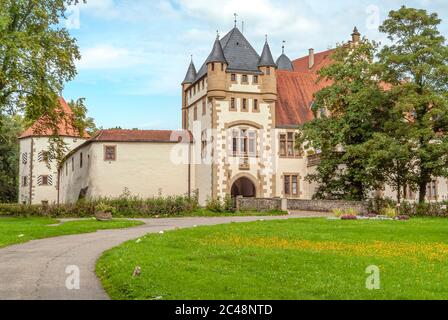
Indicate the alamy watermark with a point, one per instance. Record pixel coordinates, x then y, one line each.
373 281
73 281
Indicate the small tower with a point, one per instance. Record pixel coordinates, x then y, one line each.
283 62
189 79
268 67
39 174
356 36
216 67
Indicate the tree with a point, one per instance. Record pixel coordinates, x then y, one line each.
349 111
416 65
36 56
10 129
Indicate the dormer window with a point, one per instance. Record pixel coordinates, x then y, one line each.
255 79
245 78
233 77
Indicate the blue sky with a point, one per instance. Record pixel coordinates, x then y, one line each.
135 52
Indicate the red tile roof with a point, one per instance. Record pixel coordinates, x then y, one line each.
321 59
296 90
65 126
141 136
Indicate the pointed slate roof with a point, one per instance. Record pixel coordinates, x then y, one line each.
266 59
217 54
191 73
284 63
238 53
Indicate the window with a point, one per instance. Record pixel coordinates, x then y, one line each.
222 66
291 185
80 160
213 66
24 181
252 143
232 104
24 158
195 113
244 105
73 163
204 108
45 180
43 156
288 148
255 79
244 143
431 190
283 145
233 77
255 105
245 78
110 153
203 144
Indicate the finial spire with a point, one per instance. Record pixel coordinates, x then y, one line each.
283 47
266 37
217 34
235 15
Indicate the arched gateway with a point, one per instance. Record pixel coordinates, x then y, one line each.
244 187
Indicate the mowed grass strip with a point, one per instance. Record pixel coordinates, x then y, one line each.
288 259
19 230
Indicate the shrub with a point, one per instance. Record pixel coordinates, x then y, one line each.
338 212
102 207
122 207
215 205
389 212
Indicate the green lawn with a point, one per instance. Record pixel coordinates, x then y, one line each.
291 259
18 230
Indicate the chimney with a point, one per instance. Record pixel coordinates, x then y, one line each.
311 58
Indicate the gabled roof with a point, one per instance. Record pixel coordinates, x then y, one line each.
266 59
65 127
238 53
296 90
295 94
321 59
169 136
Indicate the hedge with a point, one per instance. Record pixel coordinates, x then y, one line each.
123 207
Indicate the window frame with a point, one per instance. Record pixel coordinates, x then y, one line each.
289 180
105 152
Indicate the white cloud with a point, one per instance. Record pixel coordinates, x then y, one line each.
104 56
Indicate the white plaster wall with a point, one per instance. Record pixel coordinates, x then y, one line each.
202 176
199 93
42 193
145 169
239 86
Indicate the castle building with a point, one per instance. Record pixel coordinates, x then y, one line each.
240 113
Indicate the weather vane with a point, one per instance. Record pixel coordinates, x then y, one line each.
235 15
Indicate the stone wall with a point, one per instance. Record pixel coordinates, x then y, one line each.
258 204
269 204
326 205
